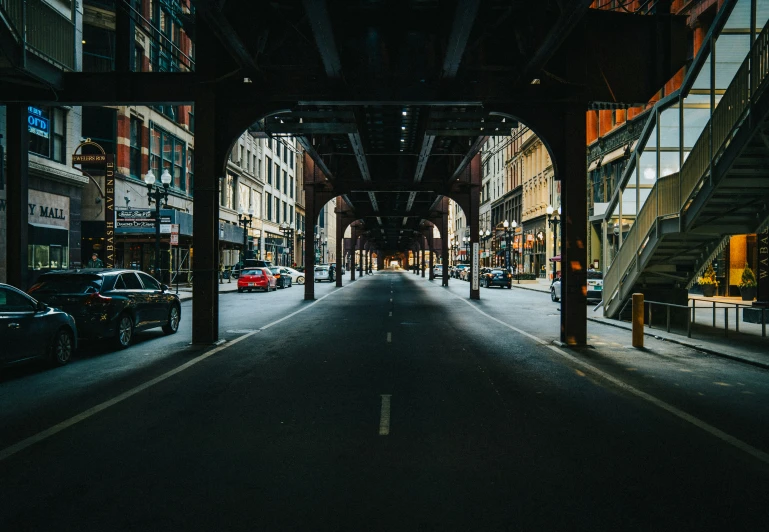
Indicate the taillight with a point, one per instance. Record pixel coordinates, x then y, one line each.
98 299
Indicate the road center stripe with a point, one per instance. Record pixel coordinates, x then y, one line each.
384 416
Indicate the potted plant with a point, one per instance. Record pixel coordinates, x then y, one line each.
748 284
708 282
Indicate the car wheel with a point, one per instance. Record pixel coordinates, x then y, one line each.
300 280
510 287
249 290
240 290
62 347
125 331
552 295
173 320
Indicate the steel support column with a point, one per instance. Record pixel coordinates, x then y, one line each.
339 240
574 229
309 238
125 39
422 262
445 240
431 265
473 215
354 238
17 195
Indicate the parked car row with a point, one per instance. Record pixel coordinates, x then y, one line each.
95 303
267 279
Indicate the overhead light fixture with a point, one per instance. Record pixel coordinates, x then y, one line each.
535 81
405 113
247 80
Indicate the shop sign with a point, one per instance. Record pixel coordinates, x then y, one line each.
37 122
108 160
763 265
45 208
140 219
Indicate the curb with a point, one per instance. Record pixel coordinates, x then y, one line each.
531 289
696 347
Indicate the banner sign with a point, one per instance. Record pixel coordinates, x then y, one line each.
476 265
763 266
140 218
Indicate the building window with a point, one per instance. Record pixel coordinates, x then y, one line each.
47 129
292 187
285 154
277 150
277 210
167 152
285 181
277 176
269 206
191 169
291 160
285 212
136 148
269 170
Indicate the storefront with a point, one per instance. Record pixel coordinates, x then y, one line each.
535 247
50 231
135 242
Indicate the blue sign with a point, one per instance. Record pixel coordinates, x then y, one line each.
37 122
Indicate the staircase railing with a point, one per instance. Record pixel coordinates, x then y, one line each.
671 194
43 30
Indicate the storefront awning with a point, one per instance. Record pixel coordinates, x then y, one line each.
557 258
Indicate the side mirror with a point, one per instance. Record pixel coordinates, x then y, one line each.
164 287
41 307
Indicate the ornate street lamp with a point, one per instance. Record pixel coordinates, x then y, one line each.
156 193
466 241
288 235
506 225
455 248
245 221
300 237
554 221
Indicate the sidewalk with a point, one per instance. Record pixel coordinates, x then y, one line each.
185 290
745 346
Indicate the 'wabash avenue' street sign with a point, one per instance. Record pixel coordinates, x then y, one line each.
108 160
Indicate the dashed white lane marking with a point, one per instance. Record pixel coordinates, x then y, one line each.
710 429
389 337
384 416
391 314
40 436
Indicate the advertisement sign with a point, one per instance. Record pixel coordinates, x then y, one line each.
141 218
763 265
476 265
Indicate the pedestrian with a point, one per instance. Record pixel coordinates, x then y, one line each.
95 262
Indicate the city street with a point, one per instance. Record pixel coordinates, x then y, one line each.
390 404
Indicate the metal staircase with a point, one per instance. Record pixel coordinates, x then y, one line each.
722 189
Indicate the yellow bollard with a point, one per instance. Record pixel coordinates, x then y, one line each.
638 320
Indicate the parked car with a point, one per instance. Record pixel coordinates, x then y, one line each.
459 270
282 277
438 270
110 303
296 276
464 273
257 279
594 286
249 263
30 329
324 272
496 277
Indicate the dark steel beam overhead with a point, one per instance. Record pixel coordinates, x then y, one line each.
464 20
317 13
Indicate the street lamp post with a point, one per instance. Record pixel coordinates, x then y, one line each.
554 221
466 241
245 220
288 235
300 238
506 225
156 193
454 249
484 238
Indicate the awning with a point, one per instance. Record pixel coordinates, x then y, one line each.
557 258
614 155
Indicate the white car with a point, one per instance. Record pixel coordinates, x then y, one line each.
438 270
594 286
296 276
324 272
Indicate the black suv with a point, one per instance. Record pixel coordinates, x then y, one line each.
250 264
110 303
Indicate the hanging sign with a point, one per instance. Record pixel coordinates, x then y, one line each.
108 193
476 265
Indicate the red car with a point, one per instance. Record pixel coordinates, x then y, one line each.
257 279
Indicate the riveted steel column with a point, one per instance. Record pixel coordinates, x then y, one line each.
445 240
205 223
17 195
309 240
354 235
431 266
574 229
472 215
339 241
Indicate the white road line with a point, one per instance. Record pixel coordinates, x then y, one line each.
51 431
389 337
391 314
384 416
710 429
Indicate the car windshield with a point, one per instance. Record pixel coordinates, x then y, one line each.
67 284
593 274
255 273
275 270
